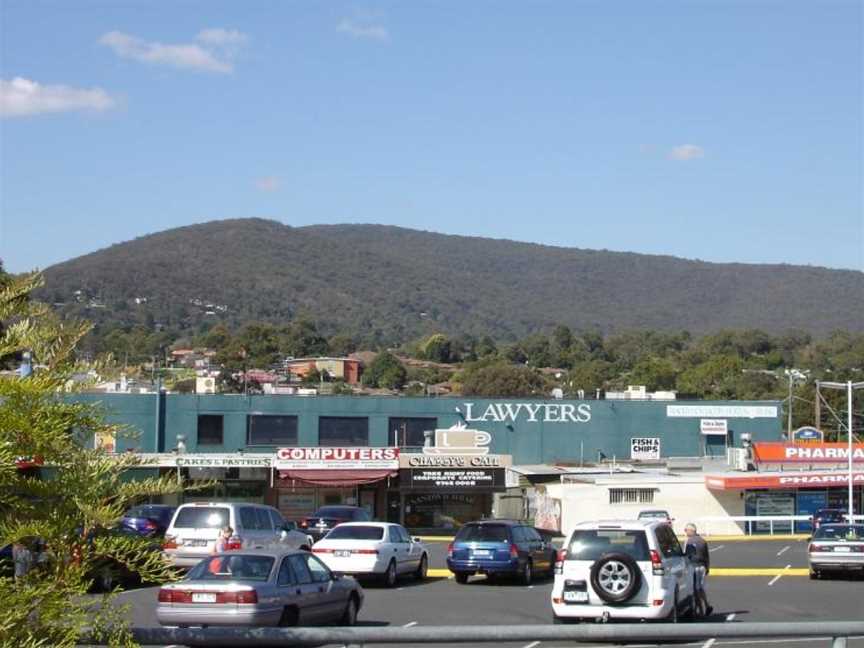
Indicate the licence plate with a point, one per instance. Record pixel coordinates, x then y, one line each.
575 597
843 549
480 552
342 553
195 543
202 597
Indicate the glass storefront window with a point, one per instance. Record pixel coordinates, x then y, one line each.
446 510
407 432
349 431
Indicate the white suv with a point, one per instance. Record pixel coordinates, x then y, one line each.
633 569
195 527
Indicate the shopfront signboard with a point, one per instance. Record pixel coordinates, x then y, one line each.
326 458
808 435
803 479
454 479
455 461
645 448
811 453
719 427
206 460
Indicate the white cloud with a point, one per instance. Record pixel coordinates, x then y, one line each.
221 37
22 97
268 183
368 31
184 55
686 152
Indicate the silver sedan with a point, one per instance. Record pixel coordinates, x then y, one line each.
836 547
260 588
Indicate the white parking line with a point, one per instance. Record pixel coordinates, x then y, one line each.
784 550
713 549
532 644
410 625
778 576
709 643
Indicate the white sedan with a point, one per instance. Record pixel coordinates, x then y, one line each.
373 549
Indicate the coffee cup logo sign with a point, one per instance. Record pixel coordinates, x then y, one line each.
459 440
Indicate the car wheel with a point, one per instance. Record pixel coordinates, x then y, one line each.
615 577
349 618
673 615
556 620
461 578
390 575
106 581
814 575
423 568
288 618
527 574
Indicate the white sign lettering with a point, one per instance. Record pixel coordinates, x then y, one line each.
532 412
714 426
721 411
336 458
642 448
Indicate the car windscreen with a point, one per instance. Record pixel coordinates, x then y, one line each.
334 512
590 544
356 533
201 517
233 567
483 533
840 532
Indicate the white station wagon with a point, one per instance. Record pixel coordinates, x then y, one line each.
632 569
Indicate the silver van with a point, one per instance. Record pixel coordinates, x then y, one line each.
195 527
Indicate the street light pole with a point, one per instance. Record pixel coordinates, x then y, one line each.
849 386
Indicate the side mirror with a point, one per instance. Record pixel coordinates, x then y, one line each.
337 575
416 539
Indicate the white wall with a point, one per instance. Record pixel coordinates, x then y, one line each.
687 500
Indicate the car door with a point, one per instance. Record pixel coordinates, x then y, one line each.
332 599
396 548
310 601
288 590
539 550
413 550
673 558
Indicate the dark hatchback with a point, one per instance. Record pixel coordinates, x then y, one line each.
148 520
828 516
322 521
500 547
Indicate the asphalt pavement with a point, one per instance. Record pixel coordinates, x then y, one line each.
781 594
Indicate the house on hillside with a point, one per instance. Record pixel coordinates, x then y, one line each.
347 369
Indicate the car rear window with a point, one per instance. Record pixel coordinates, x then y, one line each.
483 533
202 517
591 544
356 533
233 567
840 532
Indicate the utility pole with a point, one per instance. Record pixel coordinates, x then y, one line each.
849 387
792 375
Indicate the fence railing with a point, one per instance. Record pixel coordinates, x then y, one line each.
835 631
754 524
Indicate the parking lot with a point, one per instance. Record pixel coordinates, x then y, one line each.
751 581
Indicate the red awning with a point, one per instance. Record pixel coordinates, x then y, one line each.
802 479
335 478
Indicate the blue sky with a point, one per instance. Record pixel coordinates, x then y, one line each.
722 131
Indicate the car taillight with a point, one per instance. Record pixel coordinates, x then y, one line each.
450 550
560 557
321 550
235 543
170 542
656 563
245 597
304 524
514 551
150 524
174 596
365 551
657 602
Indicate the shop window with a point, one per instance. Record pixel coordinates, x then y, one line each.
343 431
271 430
210 429
408 432
631 495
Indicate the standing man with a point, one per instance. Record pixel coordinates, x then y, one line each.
696 549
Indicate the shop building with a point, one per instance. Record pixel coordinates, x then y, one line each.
448 460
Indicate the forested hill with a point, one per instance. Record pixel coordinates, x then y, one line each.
393 284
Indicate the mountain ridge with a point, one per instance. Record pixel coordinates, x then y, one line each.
393 283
